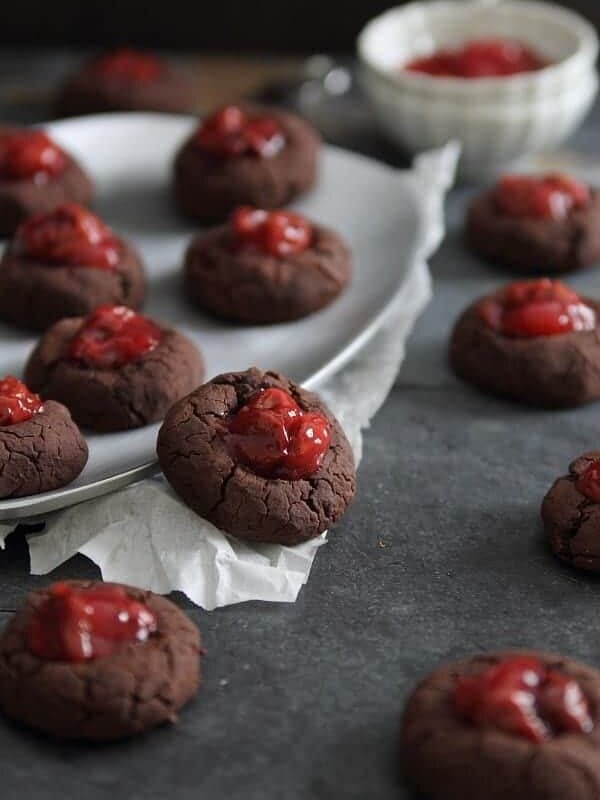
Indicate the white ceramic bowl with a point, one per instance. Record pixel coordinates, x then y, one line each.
497 120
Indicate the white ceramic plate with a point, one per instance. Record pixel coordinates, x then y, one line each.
377 210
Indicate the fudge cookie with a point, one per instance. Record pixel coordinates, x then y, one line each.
66 263
115 369
97 661
266 266
244 156
536 342
41 448
125 80
548 224
36 176
518 725
259 457
571 513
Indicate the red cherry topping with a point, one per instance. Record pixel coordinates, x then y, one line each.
78 624
273 399
480 58
273 436
17 403
563 704
540 197
29 154
112 336
588 483
521 696
127 65
232 132
542 307
276 233
308 442
69 235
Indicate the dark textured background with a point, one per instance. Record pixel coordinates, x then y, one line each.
442 554
275 25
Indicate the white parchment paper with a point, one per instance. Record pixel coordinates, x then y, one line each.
5 529
145 536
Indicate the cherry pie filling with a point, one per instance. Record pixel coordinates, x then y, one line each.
542 307
80 624
113 336
275 438
521 696
17 402
274 233
480 58
69 235
231 132
30 155
588 483
546 197
127 65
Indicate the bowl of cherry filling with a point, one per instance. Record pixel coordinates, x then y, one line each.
97 661
505 79
519 725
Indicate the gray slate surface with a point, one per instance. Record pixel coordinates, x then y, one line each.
442 554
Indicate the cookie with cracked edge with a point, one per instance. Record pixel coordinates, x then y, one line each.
114 398
252 287
572 520
22 197
141 685
42 453
208 189
196 462
535 246
545 371
449 758
34 295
